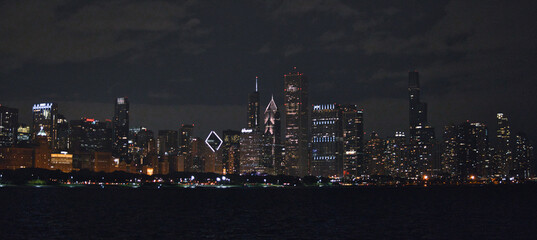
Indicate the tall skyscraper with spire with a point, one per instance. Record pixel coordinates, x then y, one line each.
421 133
296 109
254 111
272 147
121 129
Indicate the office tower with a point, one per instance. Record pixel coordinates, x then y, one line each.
297 138
504 155
327 144
121 129
466 150
449 153
250 152
522 156
139 141
63 134
254 112
197 163
422 139
90 135
353 140
185 146
9 123
375 149
167 143
44 122
185 138
272 146
395 155
24 134
230 151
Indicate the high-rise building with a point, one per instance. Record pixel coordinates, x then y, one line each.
466 150
63 134
185 138
250 151
272 146
504 154
327 141
352 121
396 155
185 146
254 110
167 143
44 122
121 129
90 135
375 155
422 137
9 123
230 151
522 156
297 138
24 134
139 142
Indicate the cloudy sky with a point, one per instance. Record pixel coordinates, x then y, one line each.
196 61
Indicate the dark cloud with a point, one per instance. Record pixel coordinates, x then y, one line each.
475 58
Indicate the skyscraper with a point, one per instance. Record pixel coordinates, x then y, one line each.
296 109
9 123
327 145
254 112
44 122
230 151
185 146
522 156
121 129
353 140
272 147
167 142
250 151
422 137
396 155
504 154
90 135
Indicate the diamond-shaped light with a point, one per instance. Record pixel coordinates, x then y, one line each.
214 141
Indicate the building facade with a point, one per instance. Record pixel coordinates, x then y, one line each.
296 108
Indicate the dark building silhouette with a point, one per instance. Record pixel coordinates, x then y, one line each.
63 133
167 142
422 137
296 107
327 141
9 124
90 135
121 129
352 122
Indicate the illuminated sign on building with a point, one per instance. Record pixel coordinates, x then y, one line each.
214 141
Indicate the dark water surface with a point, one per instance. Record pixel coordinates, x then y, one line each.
491 212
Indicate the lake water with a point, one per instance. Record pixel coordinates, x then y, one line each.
490 212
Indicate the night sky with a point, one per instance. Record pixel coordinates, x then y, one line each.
196 62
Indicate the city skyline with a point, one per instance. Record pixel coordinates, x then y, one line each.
352 52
